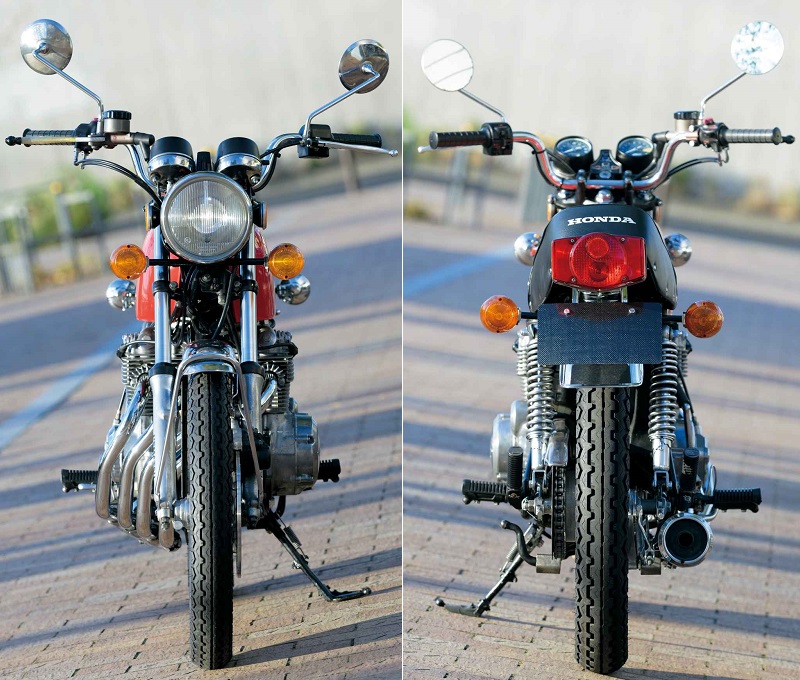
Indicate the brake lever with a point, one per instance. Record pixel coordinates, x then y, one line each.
329 143
425 149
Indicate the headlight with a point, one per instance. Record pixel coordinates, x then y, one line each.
206 217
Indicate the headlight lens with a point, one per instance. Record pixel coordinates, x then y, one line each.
206 217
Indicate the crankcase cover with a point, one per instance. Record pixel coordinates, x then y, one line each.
294 452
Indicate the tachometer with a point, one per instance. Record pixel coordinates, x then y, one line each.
635 153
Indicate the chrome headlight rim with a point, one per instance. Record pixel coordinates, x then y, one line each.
169 199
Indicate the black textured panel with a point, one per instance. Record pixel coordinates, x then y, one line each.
600 333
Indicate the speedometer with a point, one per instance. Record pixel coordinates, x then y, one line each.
635 153
576 152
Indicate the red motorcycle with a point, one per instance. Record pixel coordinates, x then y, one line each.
206 438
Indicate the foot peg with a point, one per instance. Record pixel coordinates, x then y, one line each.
735 499
329 470
78 480
472 490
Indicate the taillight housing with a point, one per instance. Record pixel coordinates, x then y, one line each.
598 261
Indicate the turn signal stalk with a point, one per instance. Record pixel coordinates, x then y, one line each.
128 262
499 314
703 319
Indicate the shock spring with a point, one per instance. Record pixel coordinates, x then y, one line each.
664 402
539 392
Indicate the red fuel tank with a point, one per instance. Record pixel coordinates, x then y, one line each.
145 309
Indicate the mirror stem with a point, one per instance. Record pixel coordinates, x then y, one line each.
366 68
717 91
485 104
38 54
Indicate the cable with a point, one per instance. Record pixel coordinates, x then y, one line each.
102 163
689 164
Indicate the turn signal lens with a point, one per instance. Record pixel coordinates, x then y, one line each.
128 262
598 261
703 319
499 314
285 261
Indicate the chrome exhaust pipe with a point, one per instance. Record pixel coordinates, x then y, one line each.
145 498
113 451
685 540
125 502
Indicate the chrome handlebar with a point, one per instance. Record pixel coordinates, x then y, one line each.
571 183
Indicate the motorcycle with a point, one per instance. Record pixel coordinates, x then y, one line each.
206 438
604 456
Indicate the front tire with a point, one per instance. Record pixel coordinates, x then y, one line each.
209 455
601 553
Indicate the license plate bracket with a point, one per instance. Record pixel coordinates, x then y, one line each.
600 333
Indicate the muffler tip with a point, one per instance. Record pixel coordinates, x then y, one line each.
685 540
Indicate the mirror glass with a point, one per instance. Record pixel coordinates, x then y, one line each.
57 45
757 48
448 65
359 53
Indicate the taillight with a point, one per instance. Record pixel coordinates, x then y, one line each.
599 261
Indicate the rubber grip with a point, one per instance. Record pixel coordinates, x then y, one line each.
48 137
364 140
750 136
442 140
472 490
737 499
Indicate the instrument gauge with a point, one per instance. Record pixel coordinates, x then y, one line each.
635 153
576 152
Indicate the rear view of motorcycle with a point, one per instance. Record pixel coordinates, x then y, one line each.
604 454
206 438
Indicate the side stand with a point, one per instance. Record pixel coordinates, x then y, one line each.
507 575
273 524
518 555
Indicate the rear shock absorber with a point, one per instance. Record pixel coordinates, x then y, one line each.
664 403
683 351
539 395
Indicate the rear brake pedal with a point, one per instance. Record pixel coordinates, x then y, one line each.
78 480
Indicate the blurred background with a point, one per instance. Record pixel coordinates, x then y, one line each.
205 70
603 71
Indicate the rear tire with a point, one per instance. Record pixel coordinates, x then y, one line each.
209 455
601 552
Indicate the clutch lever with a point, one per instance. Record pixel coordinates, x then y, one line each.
329 143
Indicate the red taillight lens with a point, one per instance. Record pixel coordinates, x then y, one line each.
599 261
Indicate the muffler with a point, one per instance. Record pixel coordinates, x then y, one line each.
685 540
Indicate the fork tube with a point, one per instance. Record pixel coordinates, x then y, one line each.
161 384
249 341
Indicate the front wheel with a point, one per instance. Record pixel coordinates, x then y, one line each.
209 455
601 552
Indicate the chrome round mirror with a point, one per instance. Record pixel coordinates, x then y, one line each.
294 291
54 41
448 65
355 57
680 249
757 48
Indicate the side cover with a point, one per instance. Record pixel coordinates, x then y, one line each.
145 309
621 220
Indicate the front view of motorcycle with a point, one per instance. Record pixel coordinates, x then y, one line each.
604 454
206 438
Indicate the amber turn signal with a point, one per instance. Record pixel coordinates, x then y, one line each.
703 319
128 262
285 261
499 314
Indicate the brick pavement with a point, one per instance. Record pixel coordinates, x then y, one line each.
82 600
735 615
